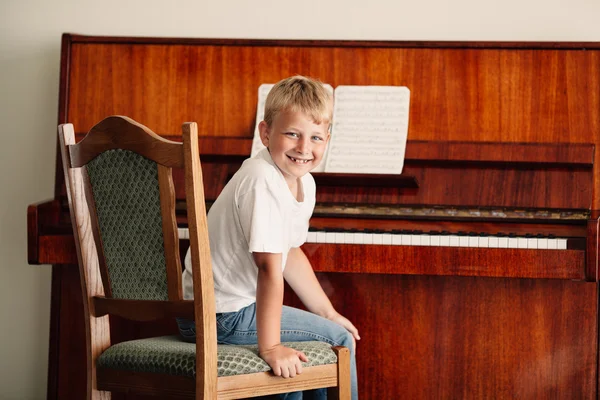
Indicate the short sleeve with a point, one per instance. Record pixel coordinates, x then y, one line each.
261 220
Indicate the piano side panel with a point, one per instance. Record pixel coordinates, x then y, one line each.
479 338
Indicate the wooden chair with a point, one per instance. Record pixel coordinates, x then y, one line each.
122 204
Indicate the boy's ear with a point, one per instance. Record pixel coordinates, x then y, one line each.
263 129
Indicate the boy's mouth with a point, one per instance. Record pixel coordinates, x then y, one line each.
298 160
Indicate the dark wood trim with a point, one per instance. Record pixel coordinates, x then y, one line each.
542 154
365 180
75 38
39 216
557 264
170 235
455 261
576 154
63 106
592 250
143 310
145 383
33 234
54 334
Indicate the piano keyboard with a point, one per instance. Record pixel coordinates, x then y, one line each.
428 239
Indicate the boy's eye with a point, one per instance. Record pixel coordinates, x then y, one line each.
292 134
317 138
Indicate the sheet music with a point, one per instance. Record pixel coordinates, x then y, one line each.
370 127
263 92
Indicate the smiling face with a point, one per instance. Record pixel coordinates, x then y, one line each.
296 143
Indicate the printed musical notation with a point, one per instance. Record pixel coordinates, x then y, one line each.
369 131
370 128
263 91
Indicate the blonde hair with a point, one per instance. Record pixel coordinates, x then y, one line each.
299 93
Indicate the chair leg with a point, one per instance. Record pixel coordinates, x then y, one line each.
343 389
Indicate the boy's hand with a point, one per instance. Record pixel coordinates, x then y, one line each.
284 361
343 321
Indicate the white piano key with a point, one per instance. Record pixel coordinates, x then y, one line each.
425 240
377 238
359 238
387 238
321 236
444 240
183 233
330 237
454 242
349 238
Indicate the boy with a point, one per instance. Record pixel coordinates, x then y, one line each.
256 227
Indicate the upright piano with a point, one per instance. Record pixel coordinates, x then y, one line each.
473 274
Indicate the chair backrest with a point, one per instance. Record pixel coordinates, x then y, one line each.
122 204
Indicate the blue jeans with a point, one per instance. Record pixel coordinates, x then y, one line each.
239 327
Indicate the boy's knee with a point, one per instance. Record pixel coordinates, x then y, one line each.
345 339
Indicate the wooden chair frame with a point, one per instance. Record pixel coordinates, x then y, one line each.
118 132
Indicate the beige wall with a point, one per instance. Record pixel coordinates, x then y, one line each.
29 51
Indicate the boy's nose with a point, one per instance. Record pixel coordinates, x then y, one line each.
303 146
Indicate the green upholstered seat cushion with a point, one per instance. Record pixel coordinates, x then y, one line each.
171 355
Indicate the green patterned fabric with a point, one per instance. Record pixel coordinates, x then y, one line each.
171 355
126 193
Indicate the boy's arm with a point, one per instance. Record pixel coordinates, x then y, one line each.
284 361
300 276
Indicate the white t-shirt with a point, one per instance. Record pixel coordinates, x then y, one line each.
255 212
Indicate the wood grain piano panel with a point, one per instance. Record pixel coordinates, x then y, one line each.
540 95
456 261
475 338
476 187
